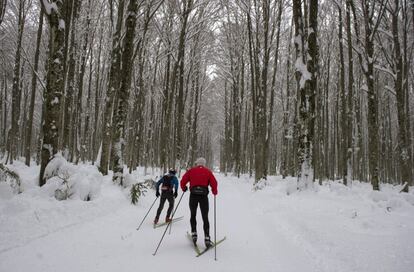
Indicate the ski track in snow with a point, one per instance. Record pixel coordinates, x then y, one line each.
266 231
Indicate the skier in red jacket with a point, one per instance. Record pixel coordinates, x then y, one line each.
200 177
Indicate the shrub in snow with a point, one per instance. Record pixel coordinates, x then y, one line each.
260 184
11 178
65 190
68 181
57 166
137 190
150 183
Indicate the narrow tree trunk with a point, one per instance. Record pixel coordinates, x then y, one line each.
33 93
16 90
113 85
343 111
123 92
403 146
3 4
350 138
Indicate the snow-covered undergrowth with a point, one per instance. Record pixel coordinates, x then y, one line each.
37 211
272 228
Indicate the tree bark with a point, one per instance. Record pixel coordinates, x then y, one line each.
54 84
113 85
16 89
123 91
403 146
33 89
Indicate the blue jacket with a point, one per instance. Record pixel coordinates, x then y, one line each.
174 182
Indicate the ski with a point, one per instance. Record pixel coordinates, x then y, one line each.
196 248
165 223
208 248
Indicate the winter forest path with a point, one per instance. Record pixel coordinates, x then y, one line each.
109 242
266 232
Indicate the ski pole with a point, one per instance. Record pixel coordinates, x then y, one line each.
147 213
165 231
172 216
215 232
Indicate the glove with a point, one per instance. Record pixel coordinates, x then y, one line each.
175 194
157 194
185 189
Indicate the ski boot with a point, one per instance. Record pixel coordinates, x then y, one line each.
167 220
208 242
155 220
194 237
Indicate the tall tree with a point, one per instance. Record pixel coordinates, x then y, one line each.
123 91
33 89
52 96
306 78
3 4
16 88
113 84
403 119
372 17
350 110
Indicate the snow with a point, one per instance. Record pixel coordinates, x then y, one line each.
49 7
54 101
329 228
305 74
61 24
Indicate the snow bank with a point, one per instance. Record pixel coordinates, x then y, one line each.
65 180
36 213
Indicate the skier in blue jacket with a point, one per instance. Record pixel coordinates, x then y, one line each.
169 188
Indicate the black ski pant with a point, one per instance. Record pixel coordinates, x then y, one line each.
164 197
203 201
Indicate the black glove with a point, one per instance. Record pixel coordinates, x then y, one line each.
157 194
175 194
185 189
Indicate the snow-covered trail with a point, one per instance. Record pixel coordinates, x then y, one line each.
266 231
110 242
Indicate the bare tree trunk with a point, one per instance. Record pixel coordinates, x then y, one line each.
343 111
306 84
95 139
5 113
123 92
370 29
112 87
350 127
68 111
178 71
273 86
16 90
3 4
403 146
54 86
287 129
33 93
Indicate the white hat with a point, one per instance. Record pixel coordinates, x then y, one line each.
200 161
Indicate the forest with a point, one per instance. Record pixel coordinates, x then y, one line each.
313 89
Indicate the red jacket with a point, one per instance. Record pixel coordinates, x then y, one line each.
199 176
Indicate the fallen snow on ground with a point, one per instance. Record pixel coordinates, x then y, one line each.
329 228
